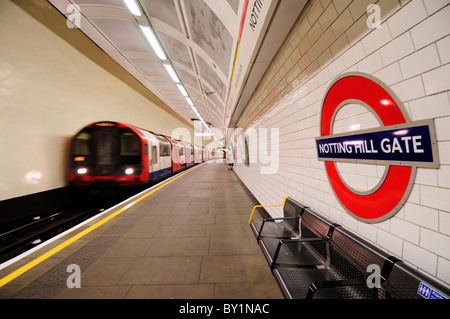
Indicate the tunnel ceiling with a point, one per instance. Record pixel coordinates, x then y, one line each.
200 39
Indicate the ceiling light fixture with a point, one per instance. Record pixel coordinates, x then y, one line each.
151 38
133 7
189 101
171 72
182 89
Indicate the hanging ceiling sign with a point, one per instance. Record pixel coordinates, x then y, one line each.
399 144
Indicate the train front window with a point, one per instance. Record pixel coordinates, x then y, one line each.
82 145
130 147
105 146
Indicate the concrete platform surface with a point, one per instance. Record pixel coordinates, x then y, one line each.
186 240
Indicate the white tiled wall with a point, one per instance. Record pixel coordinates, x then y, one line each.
410 53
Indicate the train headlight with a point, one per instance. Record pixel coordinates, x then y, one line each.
82 171
129 171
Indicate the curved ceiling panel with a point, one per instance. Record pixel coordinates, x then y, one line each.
164 10
209 33
117 3
150 68
199 37
124 34
208 75
189 80
177 51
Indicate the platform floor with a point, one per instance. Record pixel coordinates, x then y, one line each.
188 239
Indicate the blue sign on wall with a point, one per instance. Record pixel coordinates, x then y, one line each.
408 144
429 293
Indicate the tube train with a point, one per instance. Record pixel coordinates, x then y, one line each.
118 154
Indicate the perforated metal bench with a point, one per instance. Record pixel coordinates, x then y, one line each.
342 275
407 283
280 227
327 261
307 249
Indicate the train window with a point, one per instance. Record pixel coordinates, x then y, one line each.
82 143
154 155
164 146
164 150
130 147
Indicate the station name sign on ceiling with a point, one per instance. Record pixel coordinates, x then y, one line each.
399 143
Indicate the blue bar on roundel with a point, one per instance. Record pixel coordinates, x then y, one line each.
410 144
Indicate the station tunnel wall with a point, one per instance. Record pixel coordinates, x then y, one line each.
407 49
54 81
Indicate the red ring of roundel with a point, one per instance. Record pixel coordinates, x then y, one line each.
382 201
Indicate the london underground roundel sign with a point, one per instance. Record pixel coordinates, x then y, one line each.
399 144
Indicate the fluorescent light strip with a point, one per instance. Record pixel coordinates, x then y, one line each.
189 101
132 6
151 38
171 72
182 90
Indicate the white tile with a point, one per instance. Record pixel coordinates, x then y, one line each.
443 175
444 49
405 230
357 30
409 89
435 197
367 170
371 63
368 231
442 128
342 23
327 17
326 39
376 38
432 29
420 61
354 55
388 8
444 223
427 177
336 67
443 272
414 196
340 5
339 46
437 80
407 17
434 5
422 216
390 74
314 52
444 153
314 12
359 8
420 257
315 32
390 242
435 242
429 107
397 49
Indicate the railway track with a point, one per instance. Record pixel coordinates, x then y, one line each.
18 240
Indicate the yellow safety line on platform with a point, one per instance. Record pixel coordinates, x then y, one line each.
251 216
53 251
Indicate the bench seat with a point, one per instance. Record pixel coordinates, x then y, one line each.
342 275
314 258
280 227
